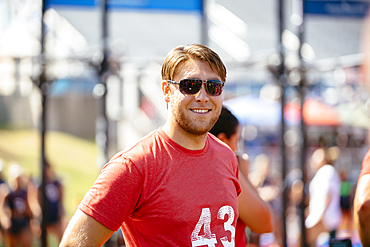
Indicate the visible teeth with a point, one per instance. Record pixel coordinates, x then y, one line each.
200 111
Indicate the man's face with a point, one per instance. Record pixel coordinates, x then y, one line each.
194 114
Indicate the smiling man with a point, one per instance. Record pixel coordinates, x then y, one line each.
177 186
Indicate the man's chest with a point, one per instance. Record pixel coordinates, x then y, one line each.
200 207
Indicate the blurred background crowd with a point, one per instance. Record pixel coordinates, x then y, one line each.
91 86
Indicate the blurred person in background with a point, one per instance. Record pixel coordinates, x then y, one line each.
17 209
362 197
54 203
268 190
346 204
294 186
178 186
324 212
54 208
2 179
4 190
261 179
253 211
347 229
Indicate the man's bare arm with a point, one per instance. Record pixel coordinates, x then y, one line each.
362 209
84 230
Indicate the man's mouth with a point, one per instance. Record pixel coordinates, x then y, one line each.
200 111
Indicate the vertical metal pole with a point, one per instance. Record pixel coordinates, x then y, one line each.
104 64
17 63
302 205
282 80
302 94
104 73
204 23
102 127
43 88
43 161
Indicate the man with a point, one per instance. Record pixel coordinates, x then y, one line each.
362 197
177 186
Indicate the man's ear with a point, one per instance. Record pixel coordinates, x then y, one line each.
166 91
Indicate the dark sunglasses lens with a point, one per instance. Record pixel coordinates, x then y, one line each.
188 86
214 88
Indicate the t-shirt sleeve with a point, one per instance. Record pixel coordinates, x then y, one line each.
115 193
365 164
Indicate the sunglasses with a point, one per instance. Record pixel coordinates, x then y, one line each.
193 86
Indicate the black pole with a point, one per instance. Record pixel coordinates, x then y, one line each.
43 88
103 130
302 205
43 161
282 80
302 94
105 35
102 125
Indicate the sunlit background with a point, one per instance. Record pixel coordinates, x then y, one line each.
246 34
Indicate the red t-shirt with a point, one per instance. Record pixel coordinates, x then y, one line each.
162 194
240 236
365 164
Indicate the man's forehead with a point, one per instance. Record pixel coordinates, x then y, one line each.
191 66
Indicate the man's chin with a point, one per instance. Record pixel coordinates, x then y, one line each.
196 127
198 131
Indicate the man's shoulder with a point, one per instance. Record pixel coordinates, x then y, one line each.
144 141
143 147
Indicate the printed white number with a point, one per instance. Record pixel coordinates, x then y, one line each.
227 225
208 238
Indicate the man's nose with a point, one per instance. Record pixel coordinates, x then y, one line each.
202 95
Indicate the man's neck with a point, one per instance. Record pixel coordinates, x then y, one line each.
185 139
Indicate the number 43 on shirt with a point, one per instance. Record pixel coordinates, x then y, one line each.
209 239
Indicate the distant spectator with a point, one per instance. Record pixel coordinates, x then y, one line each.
324 195
54 203
3 192
18 210
294 185
268 190
346 200
2 180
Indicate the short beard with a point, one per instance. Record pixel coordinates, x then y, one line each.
191 128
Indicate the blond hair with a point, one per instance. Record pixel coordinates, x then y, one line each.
181 54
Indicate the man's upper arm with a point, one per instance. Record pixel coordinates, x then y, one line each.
362 208
83 230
